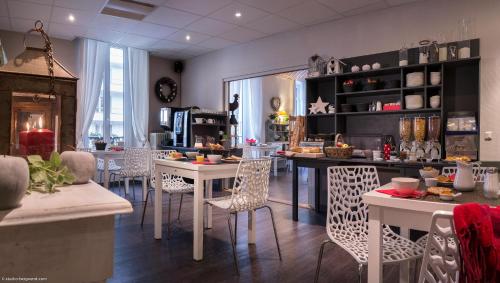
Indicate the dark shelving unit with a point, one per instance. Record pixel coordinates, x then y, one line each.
458 91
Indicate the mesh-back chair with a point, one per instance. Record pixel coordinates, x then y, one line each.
170 184
347 218
441 261
250 192
135 164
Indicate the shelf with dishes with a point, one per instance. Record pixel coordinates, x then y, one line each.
390 112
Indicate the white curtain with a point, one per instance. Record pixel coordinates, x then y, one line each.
136 97
92 61
299 105
250 115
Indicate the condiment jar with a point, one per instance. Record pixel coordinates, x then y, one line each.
491 186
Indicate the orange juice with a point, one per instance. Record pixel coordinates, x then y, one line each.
200 158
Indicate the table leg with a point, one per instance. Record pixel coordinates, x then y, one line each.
251 227
106 171
144 187
295 192
198 220
317 187
375 245
158 205
127 185
404 267
209 207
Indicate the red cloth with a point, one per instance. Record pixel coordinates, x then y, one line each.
478 232
396 193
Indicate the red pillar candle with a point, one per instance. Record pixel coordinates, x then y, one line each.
36 141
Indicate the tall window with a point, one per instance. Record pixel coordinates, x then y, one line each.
108 117
299 105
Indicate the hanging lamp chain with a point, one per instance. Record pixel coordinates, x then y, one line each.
49 53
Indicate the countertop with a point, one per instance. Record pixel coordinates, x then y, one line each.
372 162
69 203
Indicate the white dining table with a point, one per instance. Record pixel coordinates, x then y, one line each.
200 174
404 213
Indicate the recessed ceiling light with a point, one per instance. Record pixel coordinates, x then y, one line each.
188 37
71 18
237 15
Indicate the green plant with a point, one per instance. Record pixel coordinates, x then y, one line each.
45 176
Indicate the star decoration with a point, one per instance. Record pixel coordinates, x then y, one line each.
318 107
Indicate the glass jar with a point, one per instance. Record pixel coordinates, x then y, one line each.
405 129
419 128
403 57
443 52
433 128
464 49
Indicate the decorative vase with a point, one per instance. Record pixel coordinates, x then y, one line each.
81 164
14 180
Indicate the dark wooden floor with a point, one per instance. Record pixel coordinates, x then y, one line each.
141 258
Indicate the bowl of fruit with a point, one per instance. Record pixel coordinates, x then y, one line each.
348 86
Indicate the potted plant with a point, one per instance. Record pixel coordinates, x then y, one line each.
100 144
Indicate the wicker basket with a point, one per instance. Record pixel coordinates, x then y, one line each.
338 152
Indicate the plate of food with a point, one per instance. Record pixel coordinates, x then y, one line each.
176 156
444 181
458 158
232 159
429 172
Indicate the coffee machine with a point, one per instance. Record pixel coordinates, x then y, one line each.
166 119
182 126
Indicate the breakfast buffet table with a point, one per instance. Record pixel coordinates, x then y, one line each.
406 214
198 173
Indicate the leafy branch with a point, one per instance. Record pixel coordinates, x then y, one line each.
45 176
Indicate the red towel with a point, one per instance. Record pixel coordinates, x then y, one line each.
478 232
397 193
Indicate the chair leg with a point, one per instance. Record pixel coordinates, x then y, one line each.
133 187
233 245
180 207
275 233
169 226
235 228
320 258
360 272
144 210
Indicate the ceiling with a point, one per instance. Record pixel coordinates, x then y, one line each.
210 24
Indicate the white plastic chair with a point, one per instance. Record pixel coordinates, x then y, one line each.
135 164
250 192
441 261
169 184
347 218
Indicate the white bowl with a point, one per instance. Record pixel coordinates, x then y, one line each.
429 173
405 185
431 182
214 158
435 101
415 79
414 101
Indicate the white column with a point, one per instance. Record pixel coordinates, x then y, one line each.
375 244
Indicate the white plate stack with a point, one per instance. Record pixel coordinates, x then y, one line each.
415 79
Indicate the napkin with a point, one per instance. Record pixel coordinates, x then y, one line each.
396 193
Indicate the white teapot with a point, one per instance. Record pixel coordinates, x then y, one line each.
464 178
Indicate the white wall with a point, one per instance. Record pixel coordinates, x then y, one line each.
374 32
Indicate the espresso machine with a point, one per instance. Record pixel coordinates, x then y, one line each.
432 145
181 128
166 119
